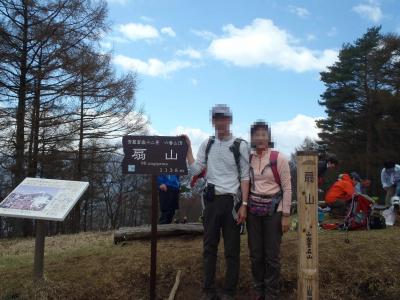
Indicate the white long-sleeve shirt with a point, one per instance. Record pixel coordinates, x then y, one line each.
390 177
221 166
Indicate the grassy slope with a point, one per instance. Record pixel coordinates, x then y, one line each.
89 266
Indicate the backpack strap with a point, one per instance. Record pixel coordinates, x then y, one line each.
210 142
273 164
273 161
235 148
251 171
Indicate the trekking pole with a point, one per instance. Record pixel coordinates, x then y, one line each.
346 239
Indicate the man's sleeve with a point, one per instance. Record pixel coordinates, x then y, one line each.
200 163
244 161
161 180
384 179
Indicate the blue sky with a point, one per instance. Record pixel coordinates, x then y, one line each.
260 57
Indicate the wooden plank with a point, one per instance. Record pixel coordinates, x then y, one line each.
166 230
176 286
307 208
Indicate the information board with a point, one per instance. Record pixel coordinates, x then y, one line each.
44 199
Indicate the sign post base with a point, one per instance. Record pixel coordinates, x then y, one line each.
39 250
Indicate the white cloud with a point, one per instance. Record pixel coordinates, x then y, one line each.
332 31
263 43
311 37
204 34
151 67
168 31
194 81
196 136
189 52
287 135
300 11
122 2
369 10
105 45
146 19
138 31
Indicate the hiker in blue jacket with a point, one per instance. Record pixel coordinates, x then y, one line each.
168 189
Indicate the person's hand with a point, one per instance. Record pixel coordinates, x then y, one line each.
285 224
163 187
187 140
242 214
189 154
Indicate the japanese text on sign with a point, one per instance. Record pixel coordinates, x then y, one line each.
310 199
154 155
309 245
309 177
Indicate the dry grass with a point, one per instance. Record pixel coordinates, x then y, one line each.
89 266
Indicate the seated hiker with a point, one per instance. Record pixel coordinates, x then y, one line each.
330 163
357 180
391 214
390 178
340 194
324 165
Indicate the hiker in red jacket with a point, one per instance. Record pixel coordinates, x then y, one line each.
340 194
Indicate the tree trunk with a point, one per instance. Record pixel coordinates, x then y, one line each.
21 110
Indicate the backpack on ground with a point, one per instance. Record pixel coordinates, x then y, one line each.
359 213
377 221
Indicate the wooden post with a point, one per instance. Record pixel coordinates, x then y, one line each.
39 250
154 221
307 208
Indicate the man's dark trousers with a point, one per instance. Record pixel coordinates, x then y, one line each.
218 216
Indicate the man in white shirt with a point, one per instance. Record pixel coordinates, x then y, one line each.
227 181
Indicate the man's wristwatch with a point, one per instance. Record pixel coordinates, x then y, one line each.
244 203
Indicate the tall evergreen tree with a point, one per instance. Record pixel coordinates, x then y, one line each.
362 104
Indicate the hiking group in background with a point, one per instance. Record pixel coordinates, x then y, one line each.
347 198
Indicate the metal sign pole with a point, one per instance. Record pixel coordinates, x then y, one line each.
307 208
39 250
154 221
